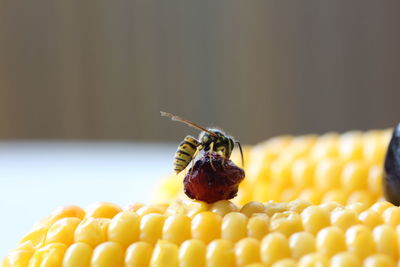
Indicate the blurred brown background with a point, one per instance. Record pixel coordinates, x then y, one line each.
104 69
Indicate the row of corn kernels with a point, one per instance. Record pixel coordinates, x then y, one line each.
318 182
345 168
331 246
255 232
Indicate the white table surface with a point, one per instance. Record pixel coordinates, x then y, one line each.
37 177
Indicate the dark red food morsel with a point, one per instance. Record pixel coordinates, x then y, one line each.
391 174
209 185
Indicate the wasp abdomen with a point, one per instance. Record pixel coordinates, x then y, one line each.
185 153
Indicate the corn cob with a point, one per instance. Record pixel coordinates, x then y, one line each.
344 168
194 233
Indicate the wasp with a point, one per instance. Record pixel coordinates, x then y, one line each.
210 140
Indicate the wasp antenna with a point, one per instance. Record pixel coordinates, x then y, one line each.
189 123
241 152
169 115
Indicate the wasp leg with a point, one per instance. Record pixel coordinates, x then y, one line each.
199 148
223 158
211 151
241 152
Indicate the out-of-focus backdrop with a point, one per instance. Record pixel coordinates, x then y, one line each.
104 69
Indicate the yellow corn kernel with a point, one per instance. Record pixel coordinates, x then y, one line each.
247 251
335 195
258 171
124 228
326 146
151 227
285 263
18 258
206 226
359 241
78 255
273 207
379 260
265 191
187 207
362 196
234 226
357 207
314 259
391 216
375 145
381 206
331 240
149 210
354 176
220 252
289 194
315 218
298 205
302 173
344 218
36 236
350 145
276 143
330 206
292 153
133 207
138 254
306 141
273 248
165 255
345 259
385 240
312 194
65 212
162 206
327 174
90 231
102 210
27 245
108 254
370 218
171 187
192 253
301 243
281 168
48 256
261 192
62 231
258 225
244 194
223 207
287 223
104 223
375 174
252 207
45 221
176 228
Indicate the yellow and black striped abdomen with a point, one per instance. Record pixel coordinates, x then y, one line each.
185 153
